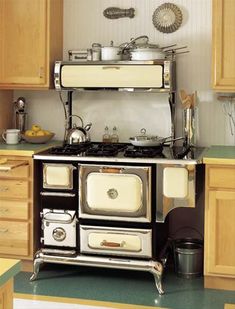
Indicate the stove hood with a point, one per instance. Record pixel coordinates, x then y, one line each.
152 76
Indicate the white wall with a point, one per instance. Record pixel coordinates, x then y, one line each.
84 24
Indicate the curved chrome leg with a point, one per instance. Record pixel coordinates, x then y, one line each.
36 266
157 270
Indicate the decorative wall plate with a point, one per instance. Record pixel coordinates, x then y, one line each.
167 18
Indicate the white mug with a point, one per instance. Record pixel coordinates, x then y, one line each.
11 136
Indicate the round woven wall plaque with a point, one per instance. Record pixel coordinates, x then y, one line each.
167 18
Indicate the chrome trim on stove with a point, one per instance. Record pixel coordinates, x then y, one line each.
154 267
60 194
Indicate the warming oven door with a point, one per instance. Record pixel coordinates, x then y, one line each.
58 176
115 192
58 227
58 185
175 188
116 241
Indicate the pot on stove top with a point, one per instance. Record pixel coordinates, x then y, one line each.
145 140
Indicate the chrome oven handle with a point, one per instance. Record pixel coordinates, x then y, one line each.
70 220
60 194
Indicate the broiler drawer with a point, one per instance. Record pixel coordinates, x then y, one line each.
116 241
14 238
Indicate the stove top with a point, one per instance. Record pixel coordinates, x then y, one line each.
121 150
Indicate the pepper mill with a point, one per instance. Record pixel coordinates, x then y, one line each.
20 114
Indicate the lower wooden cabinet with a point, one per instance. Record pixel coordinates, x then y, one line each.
219 259
6 295
16 208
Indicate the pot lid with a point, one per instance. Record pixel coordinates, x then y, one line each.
145 137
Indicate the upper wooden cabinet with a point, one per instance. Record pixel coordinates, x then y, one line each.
31 40
223 45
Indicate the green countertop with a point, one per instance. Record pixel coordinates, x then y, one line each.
220 154
8 269
25 149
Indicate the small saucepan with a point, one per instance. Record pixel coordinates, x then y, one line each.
145 140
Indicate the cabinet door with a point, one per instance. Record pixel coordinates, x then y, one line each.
23 42
220 233
223 46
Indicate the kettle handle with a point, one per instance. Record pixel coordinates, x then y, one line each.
75 116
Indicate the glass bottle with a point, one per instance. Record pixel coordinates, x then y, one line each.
114 136
106 135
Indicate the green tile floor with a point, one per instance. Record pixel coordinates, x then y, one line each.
122 286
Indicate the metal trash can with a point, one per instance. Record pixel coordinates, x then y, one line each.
188 257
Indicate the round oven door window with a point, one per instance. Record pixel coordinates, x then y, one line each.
59 234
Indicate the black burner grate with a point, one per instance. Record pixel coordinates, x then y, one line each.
144 152
70 149
105 149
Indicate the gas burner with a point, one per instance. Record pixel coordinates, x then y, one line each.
70 149
144 152
105 149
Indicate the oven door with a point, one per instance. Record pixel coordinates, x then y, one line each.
175 188
115 192
58 176
116 241
59 227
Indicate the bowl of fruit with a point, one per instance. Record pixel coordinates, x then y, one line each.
37 135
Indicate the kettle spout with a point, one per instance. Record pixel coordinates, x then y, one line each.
88 126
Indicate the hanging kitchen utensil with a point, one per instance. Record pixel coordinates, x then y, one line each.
114 12
167 18
77 134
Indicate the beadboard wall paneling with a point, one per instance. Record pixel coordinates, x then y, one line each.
85 24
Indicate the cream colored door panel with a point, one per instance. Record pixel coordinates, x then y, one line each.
25 55
114 192
14 238
112 76
14 209
14 168
220 233
14 189
223 63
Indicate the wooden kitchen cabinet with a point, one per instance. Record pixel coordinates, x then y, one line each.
16 208
31 40
223 47
219 252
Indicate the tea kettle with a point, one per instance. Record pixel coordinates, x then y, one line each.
77 135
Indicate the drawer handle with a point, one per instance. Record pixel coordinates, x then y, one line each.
112 68
106 243
3 230
4 189
113 170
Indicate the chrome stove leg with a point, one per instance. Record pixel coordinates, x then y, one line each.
36 265
157 271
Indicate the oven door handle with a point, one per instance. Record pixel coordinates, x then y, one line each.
112 244
45 217
114 170
60 194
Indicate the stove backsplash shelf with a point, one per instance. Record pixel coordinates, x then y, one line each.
153 76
